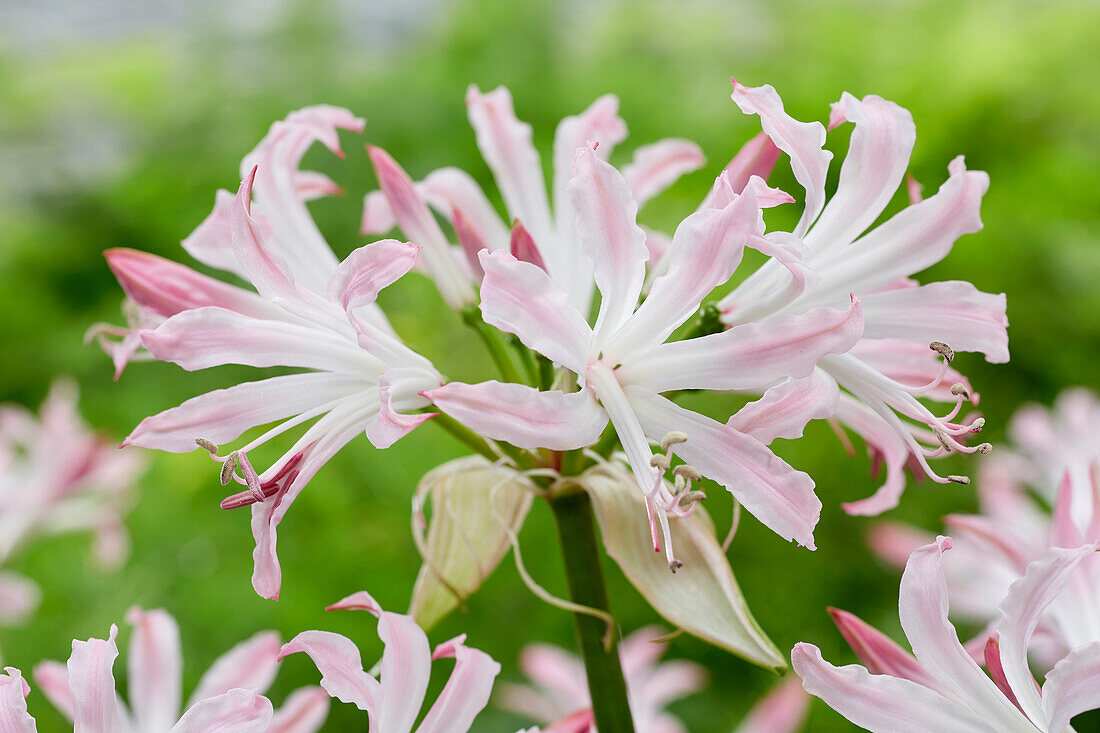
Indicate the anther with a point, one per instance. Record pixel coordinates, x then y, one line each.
984 448
977 425
943 350
675 565
229 467
661 462
209 445
942 438
673 438
964 480
688 471
959 390
690 497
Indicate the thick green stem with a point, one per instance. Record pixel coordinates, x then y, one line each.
577 530
494 342
464 435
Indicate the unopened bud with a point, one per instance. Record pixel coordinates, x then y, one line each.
673 438
943 350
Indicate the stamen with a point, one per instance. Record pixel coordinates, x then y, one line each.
985 448
977 425
209 445
943 350
250 478
940 436
672 438
229 467
687 471
964 480
660 461
959 390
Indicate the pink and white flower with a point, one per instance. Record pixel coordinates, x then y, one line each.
883 376
307 311
560 690
623 363
393 701
543 229
940 687
229 697
57 476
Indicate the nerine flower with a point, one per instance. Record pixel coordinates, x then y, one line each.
940 687
57 476
303 313
542 229
393 700
560 699
883 376
993 548
229 696
622 363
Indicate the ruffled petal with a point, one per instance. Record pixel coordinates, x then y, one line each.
657 166
757 157
212 241
786 408
341 667
406 667
96 705
606 220
954 312
879 703
748 356
252 664
782 710
877 158
1021 610
522 415
923 608
400 388
450 190
304 711
803 141
237 711
506 146
1073 686
224 414
466 693
520 298
886 448
776 494
363 273
878 652
14 717
52 679
155 669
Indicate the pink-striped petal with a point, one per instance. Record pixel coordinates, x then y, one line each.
748 356
878 652
522 415
1073 686
304 711
911 363
406 667
786 408
449 190
894 542
522 246
773 492
237 711
341 667
206 337
915 238
363 273
252 664
399 389
96 706
803 141
879 703
782 710
887 448
14 717
954 312
606 221
657 166
520 298
19 597
601 123
378 216
224 414
706 249
262 265
559 674
757 157
212 241
52 679
155 669
466 693
506 145
878 155
923 608
166 287
1021 610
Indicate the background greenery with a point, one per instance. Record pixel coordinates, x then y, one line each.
119 124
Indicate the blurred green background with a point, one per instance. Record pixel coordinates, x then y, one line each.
119 120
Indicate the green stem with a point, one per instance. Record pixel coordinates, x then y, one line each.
491 337
465 436
577 530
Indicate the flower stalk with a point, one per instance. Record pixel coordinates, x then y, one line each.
584 574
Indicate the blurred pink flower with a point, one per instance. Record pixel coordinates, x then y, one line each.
57 476
545 218
623 363
228 697
307 311
883 376
940 687
393 701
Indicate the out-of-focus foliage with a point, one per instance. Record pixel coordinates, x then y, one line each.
120 120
